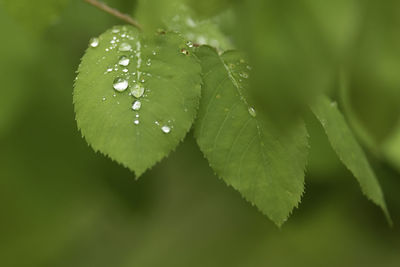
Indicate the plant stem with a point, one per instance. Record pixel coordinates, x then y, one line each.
114 12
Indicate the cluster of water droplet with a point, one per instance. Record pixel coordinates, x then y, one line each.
121 42
239 74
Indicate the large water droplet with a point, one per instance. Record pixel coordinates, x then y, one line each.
136 122
252 112
137 105
166 129
138 90
94 42
120 84
125 47
123 61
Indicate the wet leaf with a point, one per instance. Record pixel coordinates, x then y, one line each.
136 98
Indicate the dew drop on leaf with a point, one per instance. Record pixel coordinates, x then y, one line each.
94 42
244 75
137 105
136 122
138 90
124 61
252 112
166 129
120 84
125 47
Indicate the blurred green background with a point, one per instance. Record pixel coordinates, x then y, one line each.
61 204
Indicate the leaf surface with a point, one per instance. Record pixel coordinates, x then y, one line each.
136 98
243 148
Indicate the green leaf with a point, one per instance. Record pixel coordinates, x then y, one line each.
168 73
243 148
348 150
199 32
34 15
176 16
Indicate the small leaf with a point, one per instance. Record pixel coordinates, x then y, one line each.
136 98
348 150
243 148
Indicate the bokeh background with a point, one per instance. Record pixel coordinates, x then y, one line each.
62 204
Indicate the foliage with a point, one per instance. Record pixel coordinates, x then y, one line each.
138 93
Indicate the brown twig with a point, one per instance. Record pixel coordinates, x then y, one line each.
114 12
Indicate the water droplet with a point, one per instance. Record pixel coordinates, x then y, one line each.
166 129
120 84
116 30
334 104
125 70
137 91
104 99
148 62
184 51
109 69
244 75
154 53
189 44
94 42
137 105
125 47
252 112
157 123
136 122
124 61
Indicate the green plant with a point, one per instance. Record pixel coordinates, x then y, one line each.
143 86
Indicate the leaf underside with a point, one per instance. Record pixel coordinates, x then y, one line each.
348 150
164 67
245 150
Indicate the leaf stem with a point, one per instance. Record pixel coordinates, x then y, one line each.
116 13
